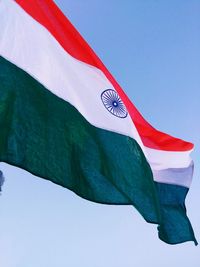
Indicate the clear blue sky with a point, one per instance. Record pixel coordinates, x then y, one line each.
152 48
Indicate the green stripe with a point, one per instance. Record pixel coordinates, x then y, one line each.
48 137
175 226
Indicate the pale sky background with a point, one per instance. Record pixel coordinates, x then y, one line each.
152 47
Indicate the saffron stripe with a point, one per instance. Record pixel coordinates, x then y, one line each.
48 14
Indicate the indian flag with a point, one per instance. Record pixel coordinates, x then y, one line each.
63 117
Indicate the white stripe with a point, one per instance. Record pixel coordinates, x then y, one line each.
160 161
27 44
176 176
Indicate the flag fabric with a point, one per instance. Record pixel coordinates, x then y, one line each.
2 179
64 118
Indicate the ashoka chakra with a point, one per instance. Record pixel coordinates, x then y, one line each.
113 103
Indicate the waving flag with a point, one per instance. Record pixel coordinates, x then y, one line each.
64 118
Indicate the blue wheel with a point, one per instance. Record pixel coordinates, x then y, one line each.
113 103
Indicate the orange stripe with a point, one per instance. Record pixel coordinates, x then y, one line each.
50 16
